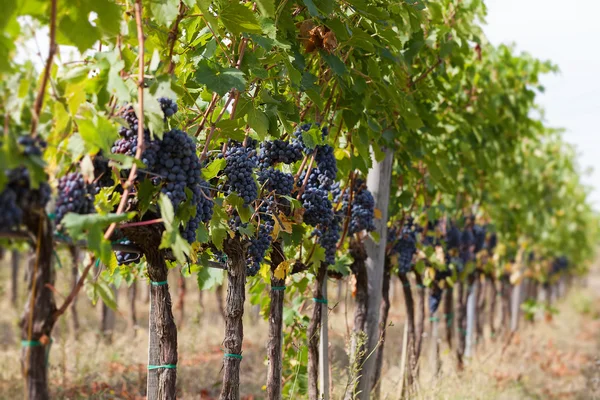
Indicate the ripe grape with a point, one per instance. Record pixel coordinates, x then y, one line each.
328 237
479 233
277 181
259 245
299 141
318 208
18 196
74 195
404 245
168 106
241 162
11 215
435 297
278 151
124 258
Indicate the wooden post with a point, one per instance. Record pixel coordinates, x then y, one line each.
275 343
14 287
516 307
75 278
471 316
234 311
324 348
379 183
38 319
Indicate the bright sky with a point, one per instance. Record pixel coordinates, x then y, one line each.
568 34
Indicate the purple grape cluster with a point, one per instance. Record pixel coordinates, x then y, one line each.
18 196
74 196
318 209
171 162
124 258
328 237
11 214
404 244
168 106
241 162
467 240
102 173
274 180
31 146
453 238
299 141
259 245
362 210
435 297
179 168
479 232
128 142
278 151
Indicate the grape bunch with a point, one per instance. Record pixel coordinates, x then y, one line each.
168 107
559 264
241 162
74 195
318 210
259 246
124 258
18 196
178 169
102 173
31 146
435 297
362 210
274 180
453 238
326 170
467 240
492 242
328 236
278 151
479 233
299 140
11 215
405 247
128 142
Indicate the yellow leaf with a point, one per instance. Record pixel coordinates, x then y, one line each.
429 274
282 269
377 213
281 224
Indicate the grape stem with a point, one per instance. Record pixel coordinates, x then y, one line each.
142 223
140 140
310 166
173 35
349 212
39 100
61 310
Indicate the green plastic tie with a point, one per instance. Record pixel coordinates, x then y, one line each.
322 301
57 259
51 216
161 283
37 343
420 286
231 355
406 284
278 288
97 262
62 237
31 343
434 319
166 366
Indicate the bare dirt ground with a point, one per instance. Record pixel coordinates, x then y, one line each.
557 359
